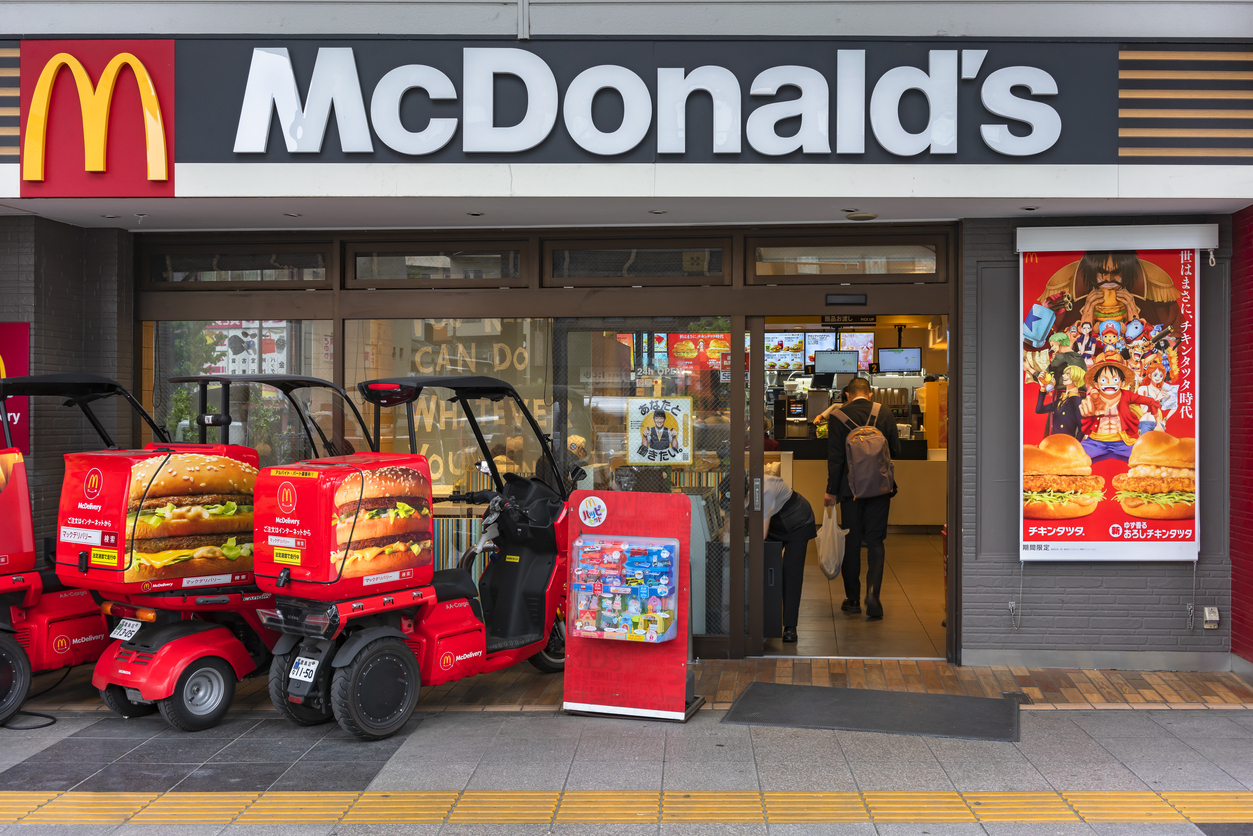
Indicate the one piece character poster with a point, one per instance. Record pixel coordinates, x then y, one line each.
1109 405
659 430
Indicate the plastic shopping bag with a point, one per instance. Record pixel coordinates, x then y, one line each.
830 544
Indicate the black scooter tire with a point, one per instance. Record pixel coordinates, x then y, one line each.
15 676
302 715
375 694
209 679
115 699
552 659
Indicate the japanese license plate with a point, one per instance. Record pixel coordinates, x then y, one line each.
304 669
125 629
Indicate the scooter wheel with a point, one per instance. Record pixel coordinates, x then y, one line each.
202 695
114 697
14 676
375 694
552 659
304 715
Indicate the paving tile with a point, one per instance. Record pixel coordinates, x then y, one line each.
931 828
232 777
1202 724
996 776
915 776
1143 749
872 746
85 750
110 726
167 830
1037 828
524 750
229 728
806 775
261 750
328 776
952 750
683 750
711 829
389 829
136 777
824 829
1091 777
415 775
1189 775
1059 754
40 776
1119 723
608 776
539 775
303 829
328 749
185 749
510 829
287 730
709 777
59 829
1145 829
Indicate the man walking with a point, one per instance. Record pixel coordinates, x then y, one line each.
865 515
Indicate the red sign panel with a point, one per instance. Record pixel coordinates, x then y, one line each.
697 352
15 362
97 118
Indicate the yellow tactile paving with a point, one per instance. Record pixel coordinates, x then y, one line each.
917 806
1019 806
505 807
297 807
609 807
712 806
209 807
785 807
15 805
1121 806
400 807
90 808
1213 806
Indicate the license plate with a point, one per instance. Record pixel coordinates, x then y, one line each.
304 669
125 629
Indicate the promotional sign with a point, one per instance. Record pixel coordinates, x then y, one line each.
15 362
697 352
1109 405
785 352
863 343
626 650
659 430
816 341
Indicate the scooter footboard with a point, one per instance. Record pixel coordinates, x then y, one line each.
156 657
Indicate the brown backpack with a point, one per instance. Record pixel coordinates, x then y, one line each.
867 457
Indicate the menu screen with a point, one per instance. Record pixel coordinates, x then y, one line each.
863 343
818 341
785 352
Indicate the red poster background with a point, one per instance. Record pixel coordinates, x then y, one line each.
1094 536
633 675
705 360
15 362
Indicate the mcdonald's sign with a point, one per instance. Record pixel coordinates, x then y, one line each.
15 362
97 118
93 483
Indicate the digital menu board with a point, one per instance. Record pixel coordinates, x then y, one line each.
863 343
816 341
785 352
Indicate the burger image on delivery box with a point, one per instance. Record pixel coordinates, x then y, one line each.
1161 481
383 521
1057 480
189 514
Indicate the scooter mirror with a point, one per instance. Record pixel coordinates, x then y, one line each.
484 467
577 474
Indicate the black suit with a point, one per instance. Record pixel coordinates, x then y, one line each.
865 519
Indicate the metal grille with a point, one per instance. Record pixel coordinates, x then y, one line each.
9 101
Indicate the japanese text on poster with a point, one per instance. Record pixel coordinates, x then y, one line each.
659 430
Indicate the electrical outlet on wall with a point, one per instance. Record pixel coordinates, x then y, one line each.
1211 618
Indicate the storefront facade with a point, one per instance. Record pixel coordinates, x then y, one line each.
543 209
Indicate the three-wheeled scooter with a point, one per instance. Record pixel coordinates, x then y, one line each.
366 618
170 544
44 625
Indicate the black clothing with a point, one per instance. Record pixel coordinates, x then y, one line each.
866 521
858 411
1064 417
794 526
1064 359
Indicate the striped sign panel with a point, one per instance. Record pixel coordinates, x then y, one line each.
9 100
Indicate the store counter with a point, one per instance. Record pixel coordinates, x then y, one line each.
922 487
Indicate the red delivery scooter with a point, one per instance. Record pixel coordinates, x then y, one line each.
172 546
344 544
44 625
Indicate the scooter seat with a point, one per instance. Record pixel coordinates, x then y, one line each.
451 584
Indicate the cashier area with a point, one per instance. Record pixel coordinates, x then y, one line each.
905 358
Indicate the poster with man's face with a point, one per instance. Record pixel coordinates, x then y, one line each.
659 431
1109 405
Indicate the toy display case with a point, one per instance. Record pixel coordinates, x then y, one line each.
624 588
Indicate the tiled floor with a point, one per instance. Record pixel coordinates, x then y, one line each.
913 607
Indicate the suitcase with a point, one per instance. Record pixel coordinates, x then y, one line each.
772 590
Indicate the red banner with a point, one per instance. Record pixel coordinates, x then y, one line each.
697 352
15 362
1109 398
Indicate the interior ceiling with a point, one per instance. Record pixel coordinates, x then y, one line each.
188 214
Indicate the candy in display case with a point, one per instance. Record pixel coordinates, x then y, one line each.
624 588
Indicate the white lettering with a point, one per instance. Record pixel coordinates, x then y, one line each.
385 109
637 109
998 98
939 86
272 86
850 101
673 89
84 639
89 506
479 70
814 136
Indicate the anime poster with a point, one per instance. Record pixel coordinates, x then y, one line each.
1109 405
659 431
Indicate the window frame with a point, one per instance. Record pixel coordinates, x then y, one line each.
322 247
938 240
551 246
353 249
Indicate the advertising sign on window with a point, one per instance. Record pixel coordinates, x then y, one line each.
15 362
1109 405
697 352
659 430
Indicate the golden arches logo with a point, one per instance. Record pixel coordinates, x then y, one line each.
93 102
3 374
287 497
93 483
1031 258
61 644
446 661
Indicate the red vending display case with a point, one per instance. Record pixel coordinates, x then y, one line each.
345 526
628 610
170 516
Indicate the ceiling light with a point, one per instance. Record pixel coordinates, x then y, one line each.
110 217
656 211
475 214
1029 208
846 211
861 216
291 215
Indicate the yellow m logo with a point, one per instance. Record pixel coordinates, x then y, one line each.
93 102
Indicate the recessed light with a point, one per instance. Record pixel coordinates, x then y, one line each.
475 214
110 217
1029 208
657 211
291 215
861 216
846 211
141 214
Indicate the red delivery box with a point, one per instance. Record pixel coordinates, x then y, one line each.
17 534
345 526
171 516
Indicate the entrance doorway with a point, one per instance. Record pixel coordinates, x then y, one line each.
807 369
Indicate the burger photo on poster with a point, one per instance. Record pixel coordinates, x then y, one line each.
684 350
1057 480
383 522
1160 483
189 515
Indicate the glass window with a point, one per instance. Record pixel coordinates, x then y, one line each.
238 267
636 263
846 260
439 265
